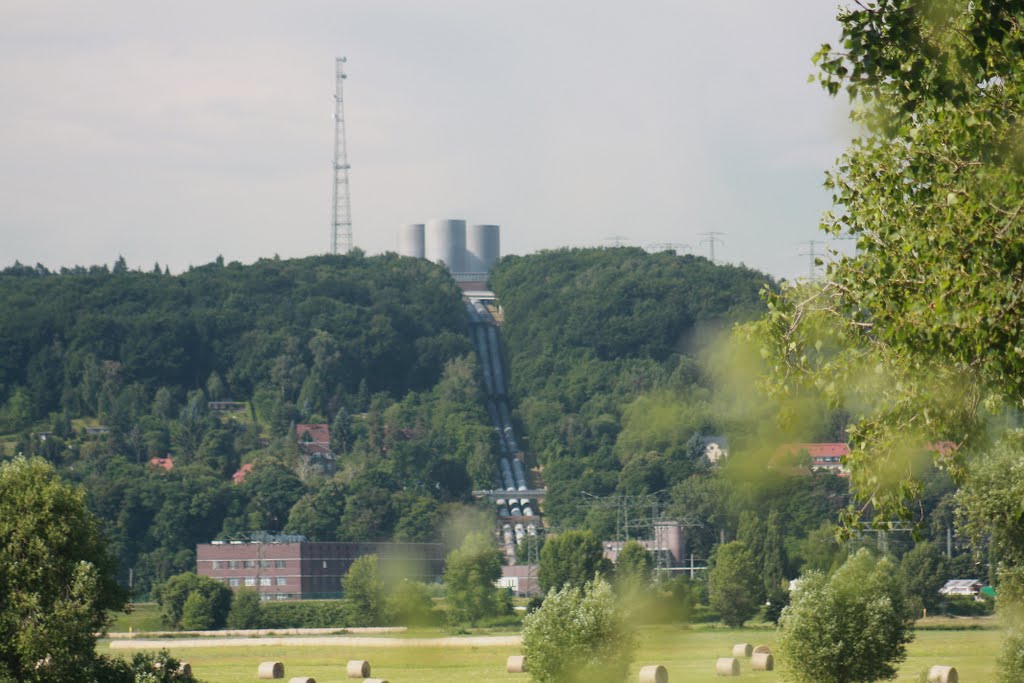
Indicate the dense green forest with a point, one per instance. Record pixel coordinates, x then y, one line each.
376 347
619 369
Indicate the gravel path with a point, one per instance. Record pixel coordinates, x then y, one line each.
343 641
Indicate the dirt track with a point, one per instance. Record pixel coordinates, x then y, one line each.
342 641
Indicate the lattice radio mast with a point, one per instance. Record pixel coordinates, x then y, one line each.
341 227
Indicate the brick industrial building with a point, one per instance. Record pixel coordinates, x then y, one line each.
291 568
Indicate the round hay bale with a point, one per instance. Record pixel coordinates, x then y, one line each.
943 674
358 668
654 674
376 680
185 668
301 679
727 666
762 661
516 664
742 650
762 649
270 670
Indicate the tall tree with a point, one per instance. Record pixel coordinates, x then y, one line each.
571 558
470 573
734 584
57 582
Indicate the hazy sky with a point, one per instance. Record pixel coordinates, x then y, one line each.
174 132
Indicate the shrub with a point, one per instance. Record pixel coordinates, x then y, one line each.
304 614
579 635
245 610
210 607
850 628
409 604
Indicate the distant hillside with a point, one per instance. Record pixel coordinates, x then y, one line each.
602 346
312 330
122 379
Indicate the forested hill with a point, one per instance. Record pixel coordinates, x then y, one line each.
112 376
313 330
602 347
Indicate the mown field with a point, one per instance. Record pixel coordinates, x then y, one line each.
688 654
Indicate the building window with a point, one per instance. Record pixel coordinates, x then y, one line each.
281 596
280 564
264 563
250 564
233 582
218 564
264 580
325 564
281 581
234 564
250 581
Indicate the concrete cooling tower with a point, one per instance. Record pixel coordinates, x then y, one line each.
483 248
445 242
410 240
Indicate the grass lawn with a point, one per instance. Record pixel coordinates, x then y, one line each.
145 616
688 654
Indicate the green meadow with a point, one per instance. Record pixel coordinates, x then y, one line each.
688 653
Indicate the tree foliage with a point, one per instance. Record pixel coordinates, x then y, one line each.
207 600
572 558
735 588
852 627
470 574
578 635
57 578
364 592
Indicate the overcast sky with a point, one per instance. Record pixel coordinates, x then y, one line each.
175 132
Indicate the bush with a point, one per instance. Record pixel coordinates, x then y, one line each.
245 610
304 614
409 604
364 592
850 628
210 606
578 636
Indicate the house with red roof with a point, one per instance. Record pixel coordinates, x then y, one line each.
824 456
166 464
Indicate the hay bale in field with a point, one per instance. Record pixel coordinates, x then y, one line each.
302 679
742 650
762 649
270 670
654 674
376 680
358 668
943 674
762 661
185 668
516 664
727 666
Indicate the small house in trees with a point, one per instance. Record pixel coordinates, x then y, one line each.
165 464
315 448
823 456
716 448
968 587
239 476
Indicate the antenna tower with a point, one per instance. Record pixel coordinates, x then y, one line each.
341 226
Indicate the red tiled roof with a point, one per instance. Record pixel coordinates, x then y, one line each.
319 433
818 450
239 476
164 463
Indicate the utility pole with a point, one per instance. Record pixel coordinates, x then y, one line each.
341 225
617 240
669 246
710 238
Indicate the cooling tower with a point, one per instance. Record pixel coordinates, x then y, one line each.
410 240
483 248
446 243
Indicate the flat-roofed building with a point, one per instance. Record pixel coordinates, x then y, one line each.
292 568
